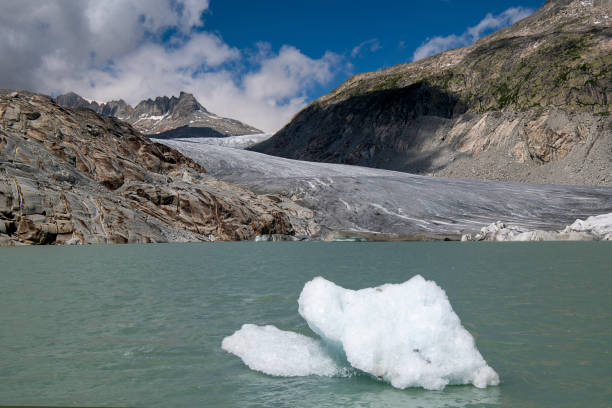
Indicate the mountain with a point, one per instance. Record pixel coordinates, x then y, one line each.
183 117
165 117
118 109
73 176
526 103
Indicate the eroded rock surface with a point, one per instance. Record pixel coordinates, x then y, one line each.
76 177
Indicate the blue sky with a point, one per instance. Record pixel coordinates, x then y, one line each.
316 26
390 30
259 62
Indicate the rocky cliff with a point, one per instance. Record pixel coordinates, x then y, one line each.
76 177
165 117
527 103
119 109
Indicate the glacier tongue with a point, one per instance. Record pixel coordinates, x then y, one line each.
406 334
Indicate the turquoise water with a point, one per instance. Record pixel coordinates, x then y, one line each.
141 325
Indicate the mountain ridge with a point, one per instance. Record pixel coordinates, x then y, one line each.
527 103
164 114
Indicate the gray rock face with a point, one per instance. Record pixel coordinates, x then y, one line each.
359 202
76 177
165 117
545 146
529 103
72 100
118 109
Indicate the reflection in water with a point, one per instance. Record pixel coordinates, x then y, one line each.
452 396
361 391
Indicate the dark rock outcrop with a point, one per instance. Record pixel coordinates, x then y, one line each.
76 177
527 103
164 116
118 109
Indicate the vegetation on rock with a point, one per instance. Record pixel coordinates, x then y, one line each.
526 103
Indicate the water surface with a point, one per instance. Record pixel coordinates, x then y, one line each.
141 325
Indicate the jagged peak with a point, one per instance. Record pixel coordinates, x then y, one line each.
188 102
183 104
75 100
118 101
70 95
73 94
148 115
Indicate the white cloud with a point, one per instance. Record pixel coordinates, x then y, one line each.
372 45
490 22
109 50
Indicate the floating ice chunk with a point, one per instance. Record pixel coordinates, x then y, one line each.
281 353
406 334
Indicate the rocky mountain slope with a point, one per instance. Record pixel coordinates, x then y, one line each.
526 103
165 117
76 177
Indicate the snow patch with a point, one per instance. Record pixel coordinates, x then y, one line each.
94 101
145 116
235 142
156 117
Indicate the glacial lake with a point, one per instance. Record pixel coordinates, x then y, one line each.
142 325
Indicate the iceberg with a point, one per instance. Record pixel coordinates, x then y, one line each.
280 353
406 334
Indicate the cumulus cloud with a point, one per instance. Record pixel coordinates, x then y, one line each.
372 45
490 22
146 48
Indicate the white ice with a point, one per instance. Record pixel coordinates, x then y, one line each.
406 334
235 142
597 227
280 353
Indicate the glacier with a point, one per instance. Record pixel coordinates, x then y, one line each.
233 142
398 204
405 334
